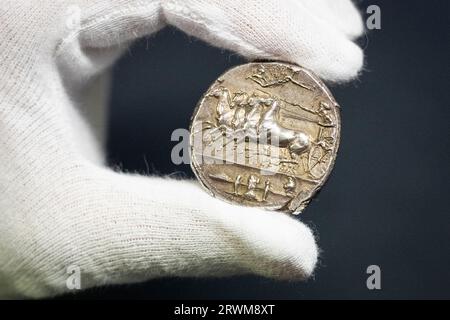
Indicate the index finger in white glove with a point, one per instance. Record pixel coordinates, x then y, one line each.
338 14
311 34
315 34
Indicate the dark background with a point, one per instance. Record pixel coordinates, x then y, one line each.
386 202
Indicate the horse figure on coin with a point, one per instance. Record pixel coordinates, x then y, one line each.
259 120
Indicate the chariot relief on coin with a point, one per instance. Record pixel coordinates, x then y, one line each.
265 135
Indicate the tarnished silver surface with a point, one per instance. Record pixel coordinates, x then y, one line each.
265 135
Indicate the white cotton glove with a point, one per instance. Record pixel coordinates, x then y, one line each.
60 207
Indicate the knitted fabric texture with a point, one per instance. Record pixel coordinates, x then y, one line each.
61 207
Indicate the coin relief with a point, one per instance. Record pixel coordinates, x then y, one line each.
265 135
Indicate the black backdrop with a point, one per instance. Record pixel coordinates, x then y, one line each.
386 202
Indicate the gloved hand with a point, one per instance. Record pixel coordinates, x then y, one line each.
61 207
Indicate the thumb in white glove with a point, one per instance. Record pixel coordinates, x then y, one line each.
59 205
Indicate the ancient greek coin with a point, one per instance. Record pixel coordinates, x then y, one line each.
265 135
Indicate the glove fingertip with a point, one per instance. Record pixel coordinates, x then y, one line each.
342 66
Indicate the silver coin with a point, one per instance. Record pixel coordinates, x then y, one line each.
265 135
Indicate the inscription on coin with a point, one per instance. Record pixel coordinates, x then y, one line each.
265 135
